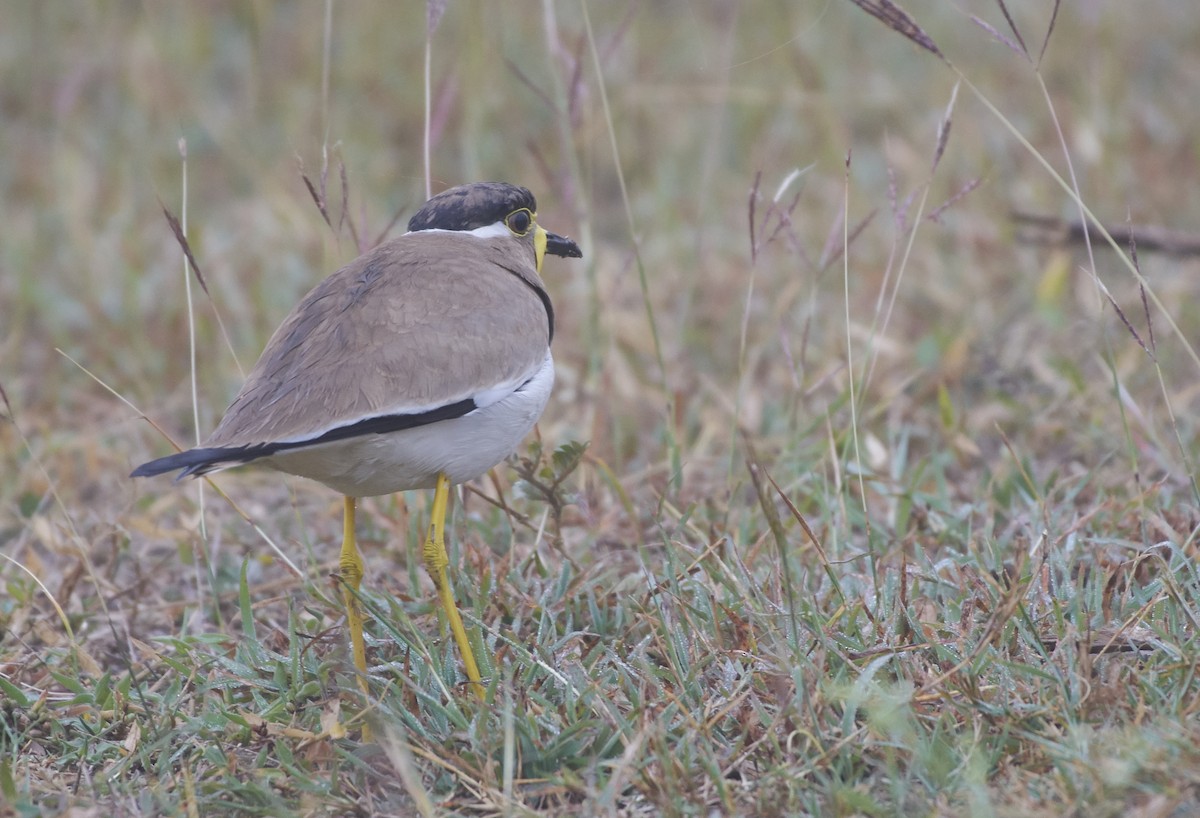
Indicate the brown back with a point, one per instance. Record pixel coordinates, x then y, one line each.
392 333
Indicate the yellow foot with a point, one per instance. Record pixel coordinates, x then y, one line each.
436 561
350 571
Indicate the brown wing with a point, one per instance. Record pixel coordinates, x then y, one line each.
392 333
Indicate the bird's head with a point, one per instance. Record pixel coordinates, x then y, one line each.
492 210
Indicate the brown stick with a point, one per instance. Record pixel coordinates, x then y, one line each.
1035 228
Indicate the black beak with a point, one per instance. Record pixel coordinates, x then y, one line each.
557 245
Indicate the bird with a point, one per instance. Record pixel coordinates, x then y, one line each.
421 364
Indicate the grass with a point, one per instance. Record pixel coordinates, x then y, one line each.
895 513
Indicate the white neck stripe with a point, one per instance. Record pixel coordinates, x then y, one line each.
491 231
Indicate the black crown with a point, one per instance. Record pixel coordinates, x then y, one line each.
467 207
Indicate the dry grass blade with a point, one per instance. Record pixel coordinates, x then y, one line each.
838 241
184 245
761 231
390 226
1019 50
434 9
750 213
648 302
319 193
63 619
1133 257
317 197
279 552
943 132
525 80
1012 26
783 215
754 466
693 568
1049 30
433 15
756 470
342 217
812 537
900 21
1011 596
935 215
400 755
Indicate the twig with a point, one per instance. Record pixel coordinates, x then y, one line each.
1036 228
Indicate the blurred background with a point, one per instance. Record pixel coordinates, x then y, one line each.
799 250
708 101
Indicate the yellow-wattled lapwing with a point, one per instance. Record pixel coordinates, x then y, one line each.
422 363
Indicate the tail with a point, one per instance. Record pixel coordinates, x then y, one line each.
195 462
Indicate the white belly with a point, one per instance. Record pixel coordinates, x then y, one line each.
462 448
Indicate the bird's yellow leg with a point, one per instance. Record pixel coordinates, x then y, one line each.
350 568
436 562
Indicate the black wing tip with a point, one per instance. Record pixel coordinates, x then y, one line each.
193 462
150 469
197 462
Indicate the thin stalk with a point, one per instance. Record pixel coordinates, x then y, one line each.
672 442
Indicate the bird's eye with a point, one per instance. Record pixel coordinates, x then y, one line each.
519 221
